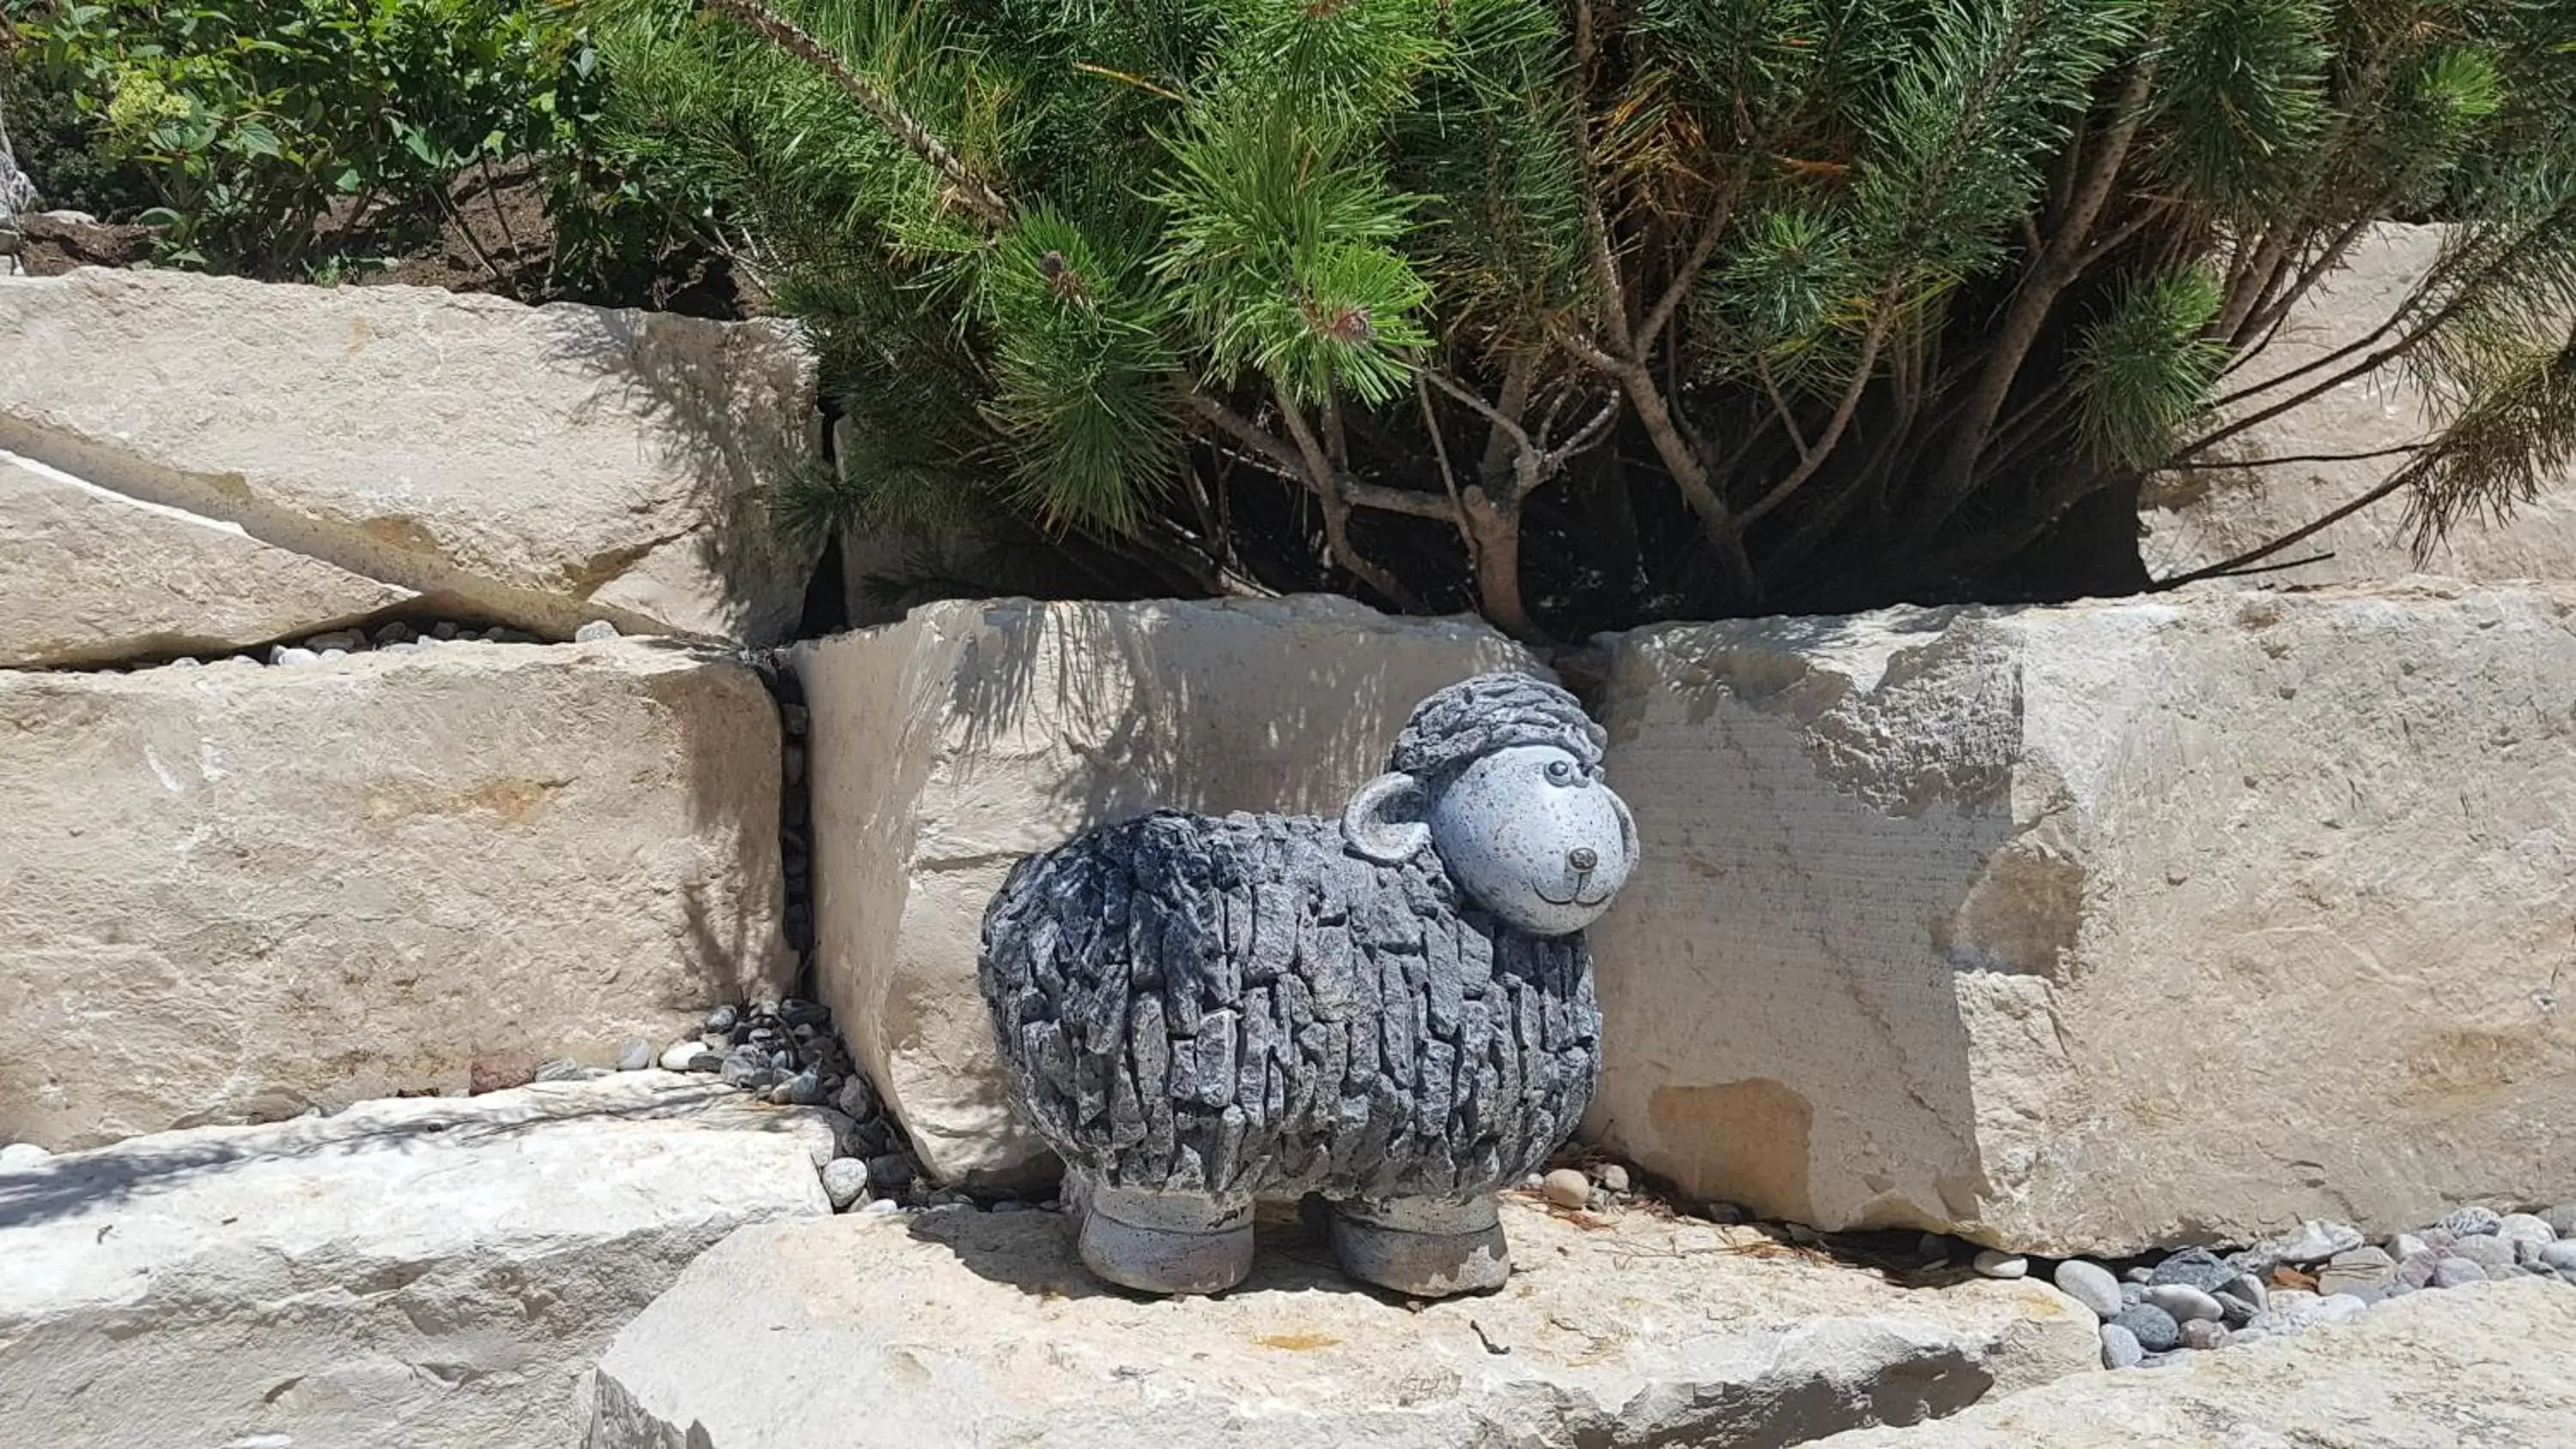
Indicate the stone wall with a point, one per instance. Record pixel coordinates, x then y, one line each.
2196 518
540 467
2090 928
232 892
948 746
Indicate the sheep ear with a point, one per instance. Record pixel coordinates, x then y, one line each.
1370 829
1627 826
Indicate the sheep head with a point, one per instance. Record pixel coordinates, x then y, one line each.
1500 777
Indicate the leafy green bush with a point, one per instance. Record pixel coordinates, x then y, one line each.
251 121
1579 312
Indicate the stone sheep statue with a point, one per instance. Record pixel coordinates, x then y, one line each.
1392 1011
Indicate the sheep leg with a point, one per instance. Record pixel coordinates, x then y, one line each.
1421 1246
1163 1242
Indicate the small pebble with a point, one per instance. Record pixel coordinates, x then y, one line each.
722 1019
637 1055
445 629
1568 1188
690 1056
746 1068
2486 1250
2354 1269
2407 1245
18 1155
805 1089
1010 1205
185 661
2456 1273
2560 1256
2185 1302
2132 1294
2202 1333
343 640
845 1181
778 1095
2315 1241
2525 1228
594 631
2236 1312
883 1205
1614 1177
2251 1289
282 654
2090 1284
891 1172
2472 1222
1993 1264
2415 1270
396 632
2120 1348
2154 1328
2136 1275
2198 1268
856 1099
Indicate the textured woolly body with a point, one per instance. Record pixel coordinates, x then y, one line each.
1238 1006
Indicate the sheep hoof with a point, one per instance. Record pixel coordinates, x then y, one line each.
1423 1248
1158 1242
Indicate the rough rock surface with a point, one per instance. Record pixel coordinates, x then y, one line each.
2481 1367
966 1328
95 576
2007 922
232 892
2198 517
545 466
948 746
405 1275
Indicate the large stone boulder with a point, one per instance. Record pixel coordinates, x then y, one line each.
406 1275
94 576
960 1327
2083 929
544 466
2484 1367
949 745
231 892
2198 517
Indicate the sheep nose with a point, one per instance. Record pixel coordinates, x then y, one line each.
1582 858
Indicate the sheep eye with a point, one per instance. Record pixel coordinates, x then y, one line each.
1560 771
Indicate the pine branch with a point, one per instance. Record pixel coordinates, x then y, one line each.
969 188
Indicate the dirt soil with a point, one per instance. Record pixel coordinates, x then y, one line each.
56 242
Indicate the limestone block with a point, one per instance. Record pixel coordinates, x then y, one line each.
2194 518
962 1327
971 734
2429 1371
232 892
406 1275
540 465
88 576
2090 928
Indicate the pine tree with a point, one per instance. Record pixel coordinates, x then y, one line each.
1575 312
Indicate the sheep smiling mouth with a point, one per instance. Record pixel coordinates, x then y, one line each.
1573 900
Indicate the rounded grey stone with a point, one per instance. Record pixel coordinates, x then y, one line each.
2155 1329
594 631
2472 1222
2202 1333
2315 1241
2120 1348
290 654
2195 1267
1991 1263
2355 1269
723 1018
637 1055
2132 1294
2486 1250
2525 1228
2236 1312
2185 1302
845 1181
2560 1256
691 1055
2457 1273
2090 1284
